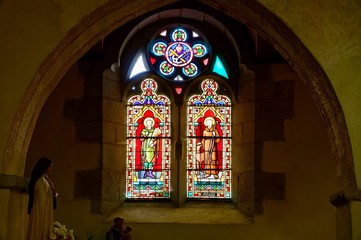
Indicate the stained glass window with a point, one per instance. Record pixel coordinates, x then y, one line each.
179 53
139 66
219 68
148 144
209 144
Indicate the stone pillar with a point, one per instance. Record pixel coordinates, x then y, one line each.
343 202
13 207
114 142
99 118
243 143
274 103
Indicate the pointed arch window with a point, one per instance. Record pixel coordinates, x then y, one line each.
209 144
178 53
148 144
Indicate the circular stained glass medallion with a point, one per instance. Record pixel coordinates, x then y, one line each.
179 53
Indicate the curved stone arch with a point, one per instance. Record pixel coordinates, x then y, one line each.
105 19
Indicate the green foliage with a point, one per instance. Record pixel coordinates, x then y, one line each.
90 236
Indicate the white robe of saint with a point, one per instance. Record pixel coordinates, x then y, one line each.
41 218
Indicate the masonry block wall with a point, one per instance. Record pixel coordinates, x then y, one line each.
97 119
114 139
243 142
274 103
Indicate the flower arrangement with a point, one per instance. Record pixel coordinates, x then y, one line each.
60 232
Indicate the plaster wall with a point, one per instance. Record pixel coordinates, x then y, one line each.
306 158
331 31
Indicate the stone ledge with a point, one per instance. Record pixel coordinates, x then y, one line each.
209 214
345 196
13 182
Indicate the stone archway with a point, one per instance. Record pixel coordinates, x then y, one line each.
105 19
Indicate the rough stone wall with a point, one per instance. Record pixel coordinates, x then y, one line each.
274 100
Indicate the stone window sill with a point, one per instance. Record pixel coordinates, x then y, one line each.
191 213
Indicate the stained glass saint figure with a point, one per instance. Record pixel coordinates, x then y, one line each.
207 159
148 144
209 144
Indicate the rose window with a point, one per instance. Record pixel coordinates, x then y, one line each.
179 53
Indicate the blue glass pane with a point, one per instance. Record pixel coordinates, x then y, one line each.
219 68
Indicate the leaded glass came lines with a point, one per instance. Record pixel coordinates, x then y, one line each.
209 144
148 144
